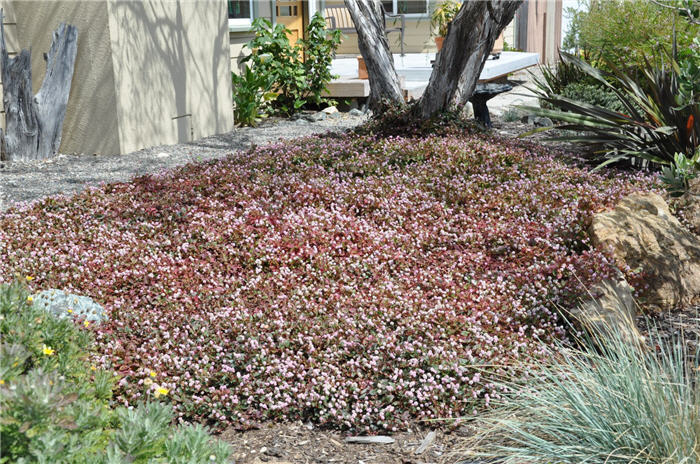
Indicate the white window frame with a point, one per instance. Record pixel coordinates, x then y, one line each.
241 23
395 4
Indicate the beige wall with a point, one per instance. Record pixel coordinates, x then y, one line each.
238 50
140 65
179 53
10 27
90 125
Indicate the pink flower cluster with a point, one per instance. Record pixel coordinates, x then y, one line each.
356 282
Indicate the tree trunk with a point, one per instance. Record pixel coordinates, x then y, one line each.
470 38
33 124
368 17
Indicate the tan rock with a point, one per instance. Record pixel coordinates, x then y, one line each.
611 309
642 233
689 204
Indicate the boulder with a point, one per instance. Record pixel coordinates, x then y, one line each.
330 110
689 205
642 234
315 117
611 309
543 122
68 305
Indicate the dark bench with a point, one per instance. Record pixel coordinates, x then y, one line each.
483 93
338 17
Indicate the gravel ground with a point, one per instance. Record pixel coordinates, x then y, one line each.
66 174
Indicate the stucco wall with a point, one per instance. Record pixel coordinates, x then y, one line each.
140 65
170 60
10 28
90 125
238 50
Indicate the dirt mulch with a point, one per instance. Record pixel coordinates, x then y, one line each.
300 443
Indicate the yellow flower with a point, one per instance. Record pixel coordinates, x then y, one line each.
29 278
93 368
152 374
30 299
86 323
70 311
148 382
2 382
48 351
161 391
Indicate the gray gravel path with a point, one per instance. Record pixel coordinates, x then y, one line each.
67 174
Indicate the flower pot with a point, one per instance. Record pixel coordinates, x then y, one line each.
438 42
361 68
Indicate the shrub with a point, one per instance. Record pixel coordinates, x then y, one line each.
624 32
352 281
677 175
593 94
555 78
55 404
610 401
319 46
689 74
280 65
654 126
251 97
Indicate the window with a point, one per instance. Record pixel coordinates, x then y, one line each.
407 7
240 12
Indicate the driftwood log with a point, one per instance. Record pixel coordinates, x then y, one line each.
470 38
33 124
374 47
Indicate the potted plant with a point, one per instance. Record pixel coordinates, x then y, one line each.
441 17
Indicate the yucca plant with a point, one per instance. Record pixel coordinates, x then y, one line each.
655 123
607 401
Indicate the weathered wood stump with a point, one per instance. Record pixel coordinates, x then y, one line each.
33 124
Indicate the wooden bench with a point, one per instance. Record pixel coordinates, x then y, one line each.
338 17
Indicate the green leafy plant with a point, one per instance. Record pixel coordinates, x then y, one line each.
652 125
594 94
623 32
568 80
280 66
689 74
606 401
442 16
251 97
677 174
511 115
55 405
319 47
555 78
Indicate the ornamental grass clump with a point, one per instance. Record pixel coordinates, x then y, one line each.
608 401
351 281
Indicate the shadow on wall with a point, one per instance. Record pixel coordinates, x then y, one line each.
171 70
90 124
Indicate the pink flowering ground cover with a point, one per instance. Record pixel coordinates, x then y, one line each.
357 282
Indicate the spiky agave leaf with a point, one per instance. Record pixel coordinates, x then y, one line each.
655 127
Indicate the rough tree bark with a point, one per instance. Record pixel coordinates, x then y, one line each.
368 17
470 38
33 124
